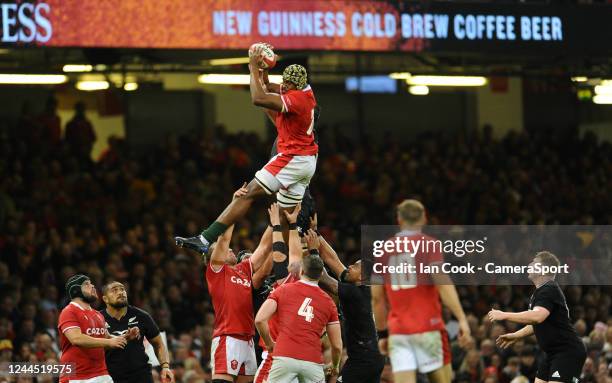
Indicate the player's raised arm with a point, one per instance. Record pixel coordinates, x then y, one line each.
217 257
295 244
263 250
330 257
327 283
280 251
262 273
270 86
222 246
259 96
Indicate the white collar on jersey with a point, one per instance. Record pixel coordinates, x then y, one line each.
407 233
77 305
311 283
306 89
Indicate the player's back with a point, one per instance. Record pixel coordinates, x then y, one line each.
413 298
273 322
304 311
230 291
295 124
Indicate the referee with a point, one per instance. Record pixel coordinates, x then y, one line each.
131 364
547 318
364 363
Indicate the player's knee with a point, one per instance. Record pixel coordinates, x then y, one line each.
405 377
253 190
286 207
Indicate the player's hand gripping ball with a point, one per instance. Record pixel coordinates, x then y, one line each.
267 57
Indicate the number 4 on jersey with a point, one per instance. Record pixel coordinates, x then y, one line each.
306 310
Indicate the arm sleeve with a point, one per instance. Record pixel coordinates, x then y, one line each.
212 273
276 294
151 330
546 298
67 320
333 315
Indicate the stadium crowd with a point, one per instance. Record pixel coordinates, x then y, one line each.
114 218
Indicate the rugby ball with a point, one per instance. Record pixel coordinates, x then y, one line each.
268 58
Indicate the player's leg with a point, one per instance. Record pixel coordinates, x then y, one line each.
403 359
261 376
224 367
543 371
441 375
566 366
348 372
433 355
404 377
284 370
375 369
245 379
248 360
235 210
295 177
265 182
362 370
310 372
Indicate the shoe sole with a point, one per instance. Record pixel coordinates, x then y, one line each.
180 242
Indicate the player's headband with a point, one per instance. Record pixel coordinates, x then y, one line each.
73 285
242 254
297 75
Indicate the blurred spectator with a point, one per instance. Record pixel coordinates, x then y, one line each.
6 350
511 370
28 129
50 123
80 135
529 367
472 366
